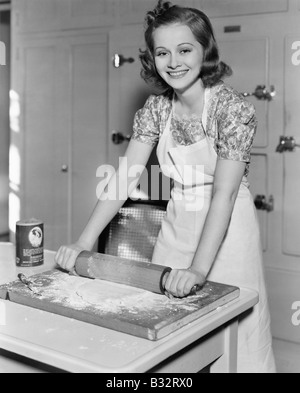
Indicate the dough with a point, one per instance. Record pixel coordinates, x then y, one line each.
97 292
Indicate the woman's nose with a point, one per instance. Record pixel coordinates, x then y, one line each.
173 62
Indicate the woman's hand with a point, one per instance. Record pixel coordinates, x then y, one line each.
180 282
67 255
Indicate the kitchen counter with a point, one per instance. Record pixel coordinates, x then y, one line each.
36 341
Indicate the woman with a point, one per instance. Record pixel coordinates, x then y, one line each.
204 130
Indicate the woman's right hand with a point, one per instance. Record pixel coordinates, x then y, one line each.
67 255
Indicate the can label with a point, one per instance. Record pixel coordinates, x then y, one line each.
29 243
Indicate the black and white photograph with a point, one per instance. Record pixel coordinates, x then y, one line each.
149 189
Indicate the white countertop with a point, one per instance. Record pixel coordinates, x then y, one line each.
79 347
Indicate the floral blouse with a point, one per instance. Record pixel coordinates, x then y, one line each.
230 124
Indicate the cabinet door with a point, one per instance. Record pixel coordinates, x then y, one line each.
88 123
39 149
61 85
128 93
4 122
262 55
237 51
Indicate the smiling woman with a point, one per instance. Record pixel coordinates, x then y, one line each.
204 132
178 57
198 120
200 33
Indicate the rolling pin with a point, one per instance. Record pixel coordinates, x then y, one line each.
137 274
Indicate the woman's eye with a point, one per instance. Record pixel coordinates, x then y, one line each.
160 54
185 51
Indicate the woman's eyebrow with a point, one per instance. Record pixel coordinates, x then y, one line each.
184 43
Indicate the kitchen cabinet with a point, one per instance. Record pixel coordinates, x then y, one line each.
53 15
274 172
61 139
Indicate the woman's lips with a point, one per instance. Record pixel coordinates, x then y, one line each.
177 74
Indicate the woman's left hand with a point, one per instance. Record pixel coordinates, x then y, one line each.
180 282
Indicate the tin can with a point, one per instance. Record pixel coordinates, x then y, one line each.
29 243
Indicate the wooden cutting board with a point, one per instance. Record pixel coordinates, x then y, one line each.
114 306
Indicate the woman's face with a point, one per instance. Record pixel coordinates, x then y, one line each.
178 56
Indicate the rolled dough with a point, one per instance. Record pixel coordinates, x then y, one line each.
97 292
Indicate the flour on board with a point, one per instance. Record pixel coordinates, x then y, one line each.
112 297
81 293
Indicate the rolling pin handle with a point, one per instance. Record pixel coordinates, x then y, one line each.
195 289
163 279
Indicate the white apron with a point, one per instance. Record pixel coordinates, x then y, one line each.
239 260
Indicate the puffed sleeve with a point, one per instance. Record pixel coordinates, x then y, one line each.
146 127
237 126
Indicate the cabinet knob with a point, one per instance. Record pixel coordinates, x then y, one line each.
64 168
261 203
119 60
118 138
261 93
287 143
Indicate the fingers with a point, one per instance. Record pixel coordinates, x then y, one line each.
180 283
66 257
